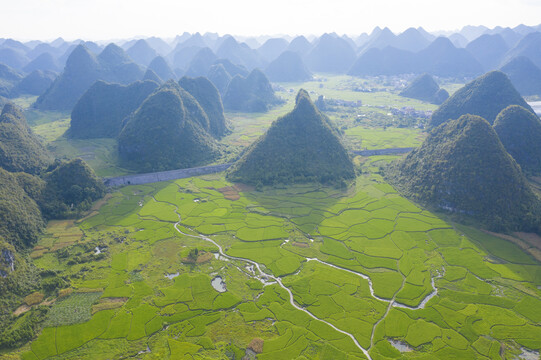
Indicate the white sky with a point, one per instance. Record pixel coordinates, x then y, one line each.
109 19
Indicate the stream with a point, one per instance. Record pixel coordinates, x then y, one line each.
265 277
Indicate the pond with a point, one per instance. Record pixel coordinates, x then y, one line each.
171 276
400 346
98 250
218 284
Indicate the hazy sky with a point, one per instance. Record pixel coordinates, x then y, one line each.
109 19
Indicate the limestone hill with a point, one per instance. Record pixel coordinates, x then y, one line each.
485 96
272 48
520 133
168 131
529 46
161 68
209 98
201 63
141 52
151 75
301 146
100 111
251 94
44 62
288 67
300 45
440 58
20 149
463 167
21 222
489 50
82 70
525 76
330 54
8 79
70 189
35 83
219 77
425 88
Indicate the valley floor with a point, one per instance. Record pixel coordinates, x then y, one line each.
309 271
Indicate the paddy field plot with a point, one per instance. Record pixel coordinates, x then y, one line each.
362 260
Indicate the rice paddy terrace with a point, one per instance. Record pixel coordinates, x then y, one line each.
309 272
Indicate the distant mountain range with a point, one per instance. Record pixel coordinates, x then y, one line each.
76 65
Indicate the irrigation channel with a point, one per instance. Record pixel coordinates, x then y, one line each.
263 277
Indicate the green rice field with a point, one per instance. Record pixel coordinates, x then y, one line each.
310 272
364 266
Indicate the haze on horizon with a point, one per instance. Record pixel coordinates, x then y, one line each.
110 19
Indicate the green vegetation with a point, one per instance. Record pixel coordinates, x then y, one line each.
520 133
251 94
524 75
331 54
20 149
208 97
168 131
487 297
288 67
70 189
426 89
485 96
22 221
34 83
368 230
302 146
463 167
363 137
82 70
99 113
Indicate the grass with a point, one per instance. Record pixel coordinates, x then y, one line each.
100 154
382 138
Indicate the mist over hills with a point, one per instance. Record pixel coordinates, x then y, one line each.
440 58
461 54
529 46
525 76
35 83
102 108
520 133
82 69
489 50
485 96
141 52
300 45
45 61
330 54
272 48
288 67
253 93
425 88
161 68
